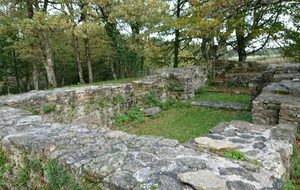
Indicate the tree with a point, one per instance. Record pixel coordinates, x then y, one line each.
75 39
254 29
292 33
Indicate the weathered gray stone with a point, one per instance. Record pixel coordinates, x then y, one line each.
235 185
152 111
237 171
203 180
228 105
205 142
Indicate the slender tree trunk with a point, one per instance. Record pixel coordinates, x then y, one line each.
75 42
88 58
177 36
35 78
14 59
112 68
176 49
77 54
48 60
86 41
45 45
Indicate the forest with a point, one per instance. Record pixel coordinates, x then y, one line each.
53 43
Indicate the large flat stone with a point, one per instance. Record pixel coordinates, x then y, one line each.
203 180
206 142
222 105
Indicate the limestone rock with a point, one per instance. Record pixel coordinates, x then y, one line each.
152 111
203 180
227 105
206 142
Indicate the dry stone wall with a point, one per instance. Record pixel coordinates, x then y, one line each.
233 73
179 83
278 103
106 159
75 132
274 73
95 105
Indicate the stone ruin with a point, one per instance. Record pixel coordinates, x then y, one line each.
232 73
73 127
179 83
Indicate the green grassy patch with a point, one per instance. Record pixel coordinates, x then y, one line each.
178 119
186 123
222 97
237 90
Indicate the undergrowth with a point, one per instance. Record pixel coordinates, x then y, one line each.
37 174
294 182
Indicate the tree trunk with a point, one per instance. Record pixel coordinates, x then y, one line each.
75 43
14 60
139 51
35 78
241 44
242 55
176 49
45 46
177 36
76 48
88 58
48 60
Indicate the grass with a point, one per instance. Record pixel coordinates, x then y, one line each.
236 90
186 123
181 121
222 97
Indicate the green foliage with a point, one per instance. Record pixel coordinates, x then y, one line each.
118 99
210 77
294 182
49 107
35 165
102 102
150 99
175 85
60 178
131 118
173 103
289 185
235 155
56 175
3 168
22 177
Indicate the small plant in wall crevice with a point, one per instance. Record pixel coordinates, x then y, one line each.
49 107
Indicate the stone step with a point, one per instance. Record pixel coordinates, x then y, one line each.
221 105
